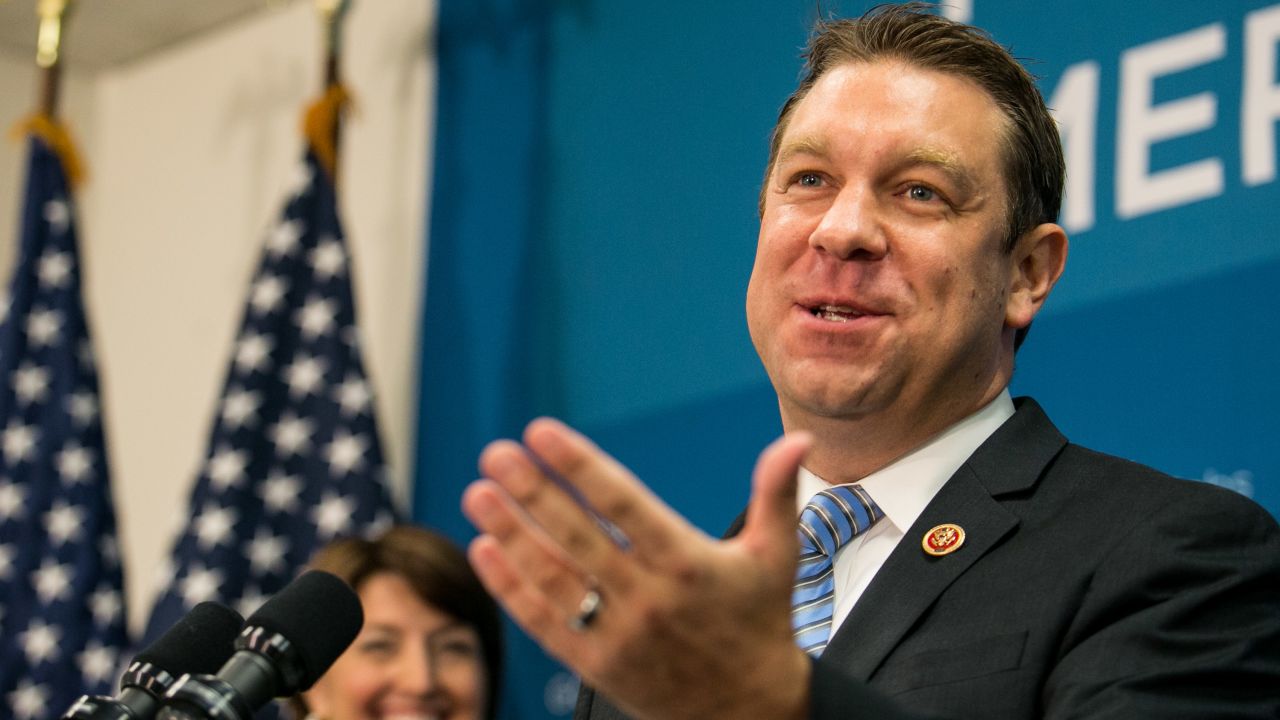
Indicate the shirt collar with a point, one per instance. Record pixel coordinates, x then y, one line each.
904 487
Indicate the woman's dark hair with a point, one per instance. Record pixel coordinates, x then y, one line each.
439 574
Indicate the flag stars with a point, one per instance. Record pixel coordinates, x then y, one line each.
332 515
43 327
52 581
110 550
75 463
213 526
29 700
226 468
300 178
267 293
97 663
7 554
63 522
292 435
284 237
266 553
346 453
381 523
199 585
31 383
40 642
280 492
249 603
328 259
18 442
240 408
12 498
316 317
304 376
54 269
84 353
106 605
83 407
353 395
57 213
253 352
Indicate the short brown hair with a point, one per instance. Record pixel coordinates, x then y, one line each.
1034 167
439 574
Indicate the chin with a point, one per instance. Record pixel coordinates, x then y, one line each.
831 401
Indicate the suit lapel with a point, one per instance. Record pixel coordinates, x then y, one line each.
910 580
1011 460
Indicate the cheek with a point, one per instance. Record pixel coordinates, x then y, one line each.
345 691
465 684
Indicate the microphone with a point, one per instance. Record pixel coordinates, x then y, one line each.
285 647
198 643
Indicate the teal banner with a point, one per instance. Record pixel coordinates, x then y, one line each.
593 224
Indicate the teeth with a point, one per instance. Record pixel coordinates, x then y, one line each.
835 313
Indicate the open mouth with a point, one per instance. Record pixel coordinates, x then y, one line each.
835 313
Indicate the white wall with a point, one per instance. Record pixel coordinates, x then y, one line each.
189 152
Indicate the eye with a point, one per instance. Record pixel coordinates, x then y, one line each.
460 647
377 647
922 193
451 649
809 179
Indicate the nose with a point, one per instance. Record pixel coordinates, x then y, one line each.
851 228
415 672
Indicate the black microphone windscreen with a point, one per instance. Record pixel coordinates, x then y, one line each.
319 614
198 643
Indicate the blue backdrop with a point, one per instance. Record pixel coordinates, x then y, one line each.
593 224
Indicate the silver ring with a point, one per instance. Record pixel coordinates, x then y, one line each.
588 611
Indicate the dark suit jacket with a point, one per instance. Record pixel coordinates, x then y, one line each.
1087 587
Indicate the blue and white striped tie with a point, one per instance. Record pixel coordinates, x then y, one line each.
832 518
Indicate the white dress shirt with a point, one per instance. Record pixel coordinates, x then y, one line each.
902 489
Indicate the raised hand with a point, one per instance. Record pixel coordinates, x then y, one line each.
669 623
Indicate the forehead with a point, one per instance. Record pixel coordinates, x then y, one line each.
389 600
893 105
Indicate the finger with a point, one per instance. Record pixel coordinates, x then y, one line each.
540 563
562 518
654 530
770 528
543 619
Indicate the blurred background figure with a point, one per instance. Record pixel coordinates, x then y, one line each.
431 645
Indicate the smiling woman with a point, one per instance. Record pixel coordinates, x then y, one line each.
431 646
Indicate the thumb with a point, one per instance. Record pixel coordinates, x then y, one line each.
770 528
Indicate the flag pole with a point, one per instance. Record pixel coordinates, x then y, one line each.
43 122
53 16
324 119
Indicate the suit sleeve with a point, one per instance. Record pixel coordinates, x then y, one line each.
1182 619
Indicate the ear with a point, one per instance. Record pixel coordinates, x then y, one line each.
1035 265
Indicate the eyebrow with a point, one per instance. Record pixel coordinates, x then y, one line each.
947 162
804 145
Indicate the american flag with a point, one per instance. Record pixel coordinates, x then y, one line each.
61 600
294 459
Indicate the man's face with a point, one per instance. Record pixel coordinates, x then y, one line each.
879 283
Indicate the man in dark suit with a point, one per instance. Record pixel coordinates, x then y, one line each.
907 240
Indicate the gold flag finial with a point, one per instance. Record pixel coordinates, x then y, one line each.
333 12
49 40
